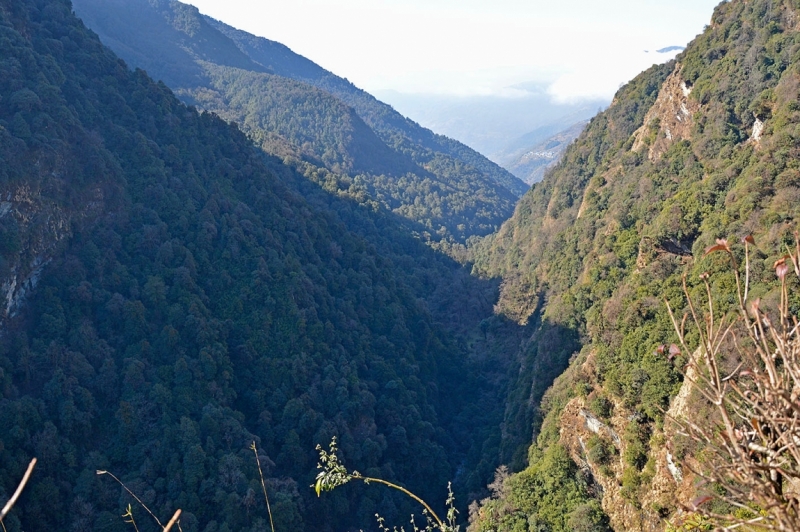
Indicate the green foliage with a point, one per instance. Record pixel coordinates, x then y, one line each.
599 450
306 116
631 482
548 495
609 234
333 474
588 517
636 439
601 406
193 295
689 522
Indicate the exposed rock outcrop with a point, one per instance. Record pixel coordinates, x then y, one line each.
670 119
667 487
42 225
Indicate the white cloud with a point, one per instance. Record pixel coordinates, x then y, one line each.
473 47
602 79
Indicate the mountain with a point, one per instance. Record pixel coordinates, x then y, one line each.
300 112
532 164
494 125
395 129
171 294
701 148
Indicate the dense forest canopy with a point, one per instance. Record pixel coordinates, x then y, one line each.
176 288
309 117
174 294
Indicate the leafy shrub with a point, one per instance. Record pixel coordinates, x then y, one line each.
599 450
601 406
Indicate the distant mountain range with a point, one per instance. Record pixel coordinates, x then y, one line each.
341 136
498 126
534 162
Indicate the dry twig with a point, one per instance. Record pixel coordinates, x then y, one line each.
753 443
172 522
263 485
15 496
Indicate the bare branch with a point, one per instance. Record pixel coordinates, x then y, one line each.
173 520
263 485
15 496
752 441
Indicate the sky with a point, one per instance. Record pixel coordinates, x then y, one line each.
578 49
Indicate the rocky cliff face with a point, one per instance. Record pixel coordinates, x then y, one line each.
671 118
34 225
43 228
38 242
55 172
668 482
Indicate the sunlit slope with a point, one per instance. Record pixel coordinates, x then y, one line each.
701 148
395 129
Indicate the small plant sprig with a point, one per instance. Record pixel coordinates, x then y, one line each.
333 474
128 518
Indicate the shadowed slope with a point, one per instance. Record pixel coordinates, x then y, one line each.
307 115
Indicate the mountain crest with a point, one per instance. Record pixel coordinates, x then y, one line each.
302 113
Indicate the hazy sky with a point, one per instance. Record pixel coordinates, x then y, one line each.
580 48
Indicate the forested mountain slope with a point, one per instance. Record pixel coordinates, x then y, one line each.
171 294
702 148
390 125
298 111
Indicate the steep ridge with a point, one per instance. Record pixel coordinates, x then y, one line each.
172 295
176 39
394 128
295 109
702 148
